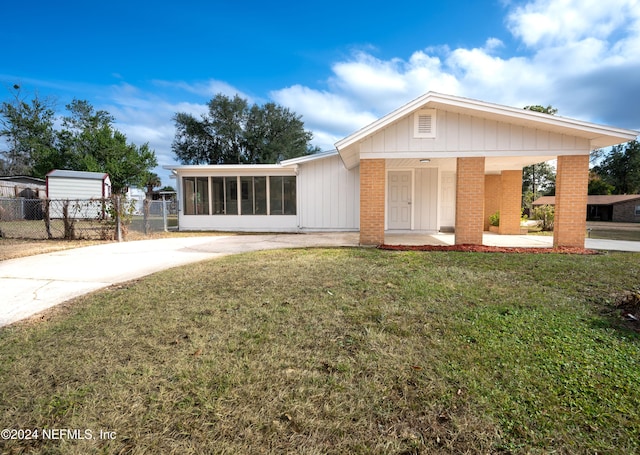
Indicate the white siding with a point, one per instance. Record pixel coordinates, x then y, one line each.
457 132
426 199
62 188
328 195
447 200
242 223
70 188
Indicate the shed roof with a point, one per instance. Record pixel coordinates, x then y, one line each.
592 199
64 173
22 179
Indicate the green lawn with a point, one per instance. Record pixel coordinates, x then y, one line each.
337 351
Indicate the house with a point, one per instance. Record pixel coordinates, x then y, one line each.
22 186
20 198
80 186
439 162
623 208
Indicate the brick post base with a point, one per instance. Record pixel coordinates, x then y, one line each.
469 201
372 183
510 202
572 181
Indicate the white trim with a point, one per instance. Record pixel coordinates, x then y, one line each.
307 158
468 154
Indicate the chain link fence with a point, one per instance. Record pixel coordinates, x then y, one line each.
72 219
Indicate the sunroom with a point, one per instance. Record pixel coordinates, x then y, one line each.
229 197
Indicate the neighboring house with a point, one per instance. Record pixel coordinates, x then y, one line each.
64 185
22 186
431 165
623 208
20 198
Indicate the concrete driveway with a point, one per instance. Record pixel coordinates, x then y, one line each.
32 284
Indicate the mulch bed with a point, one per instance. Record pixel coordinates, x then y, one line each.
487 249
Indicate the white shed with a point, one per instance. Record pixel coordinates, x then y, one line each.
65 185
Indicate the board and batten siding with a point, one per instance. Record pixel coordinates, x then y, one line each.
457 132
426 200
329 195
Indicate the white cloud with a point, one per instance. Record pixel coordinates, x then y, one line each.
552 22
207 89
324 111
581 56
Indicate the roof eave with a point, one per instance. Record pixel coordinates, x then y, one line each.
599 135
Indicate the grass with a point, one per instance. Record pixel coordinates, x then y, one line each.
17 248
615 234
337 351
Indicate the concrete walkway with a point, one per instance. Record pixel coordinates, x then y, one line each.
32 284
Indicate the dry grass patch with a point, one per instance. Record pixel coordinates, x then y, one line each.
16 248
337 351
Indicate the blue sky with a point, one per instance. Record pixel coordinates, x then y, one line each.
340 65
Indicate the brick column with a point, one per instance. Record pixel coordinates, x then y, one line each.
511 202
372 182
469 201
492 197
572 181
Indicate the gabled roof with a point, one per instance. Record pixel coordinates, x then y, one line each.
593 199
598 135
64 173
252 167
307 158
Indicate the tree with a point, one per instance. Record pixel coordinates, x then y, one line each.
96 146
545 110
537 180
233 132
28 133
597 186
620 168
540 178
87 141
150 181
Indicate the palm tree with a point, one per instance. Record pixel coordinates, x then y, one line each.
151 181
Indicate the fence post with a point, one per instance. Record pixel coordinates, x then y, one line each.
118 221
47 217
164 213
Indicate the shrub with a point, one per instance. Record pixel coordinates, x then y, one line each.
544 213
494 220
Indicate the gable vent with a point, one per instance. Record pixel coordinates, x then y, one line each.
424 123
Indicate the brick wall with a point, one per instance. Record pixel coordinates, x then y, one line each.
626 212
572 180
469 201
510 203
372 183
492 192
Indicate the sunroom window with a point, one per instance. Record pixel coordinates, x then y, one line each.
245 195
196 195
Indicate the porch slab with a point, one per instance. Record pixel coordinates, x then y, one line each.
488 239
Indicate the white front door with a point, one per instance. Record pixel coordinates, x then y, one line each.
399 200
